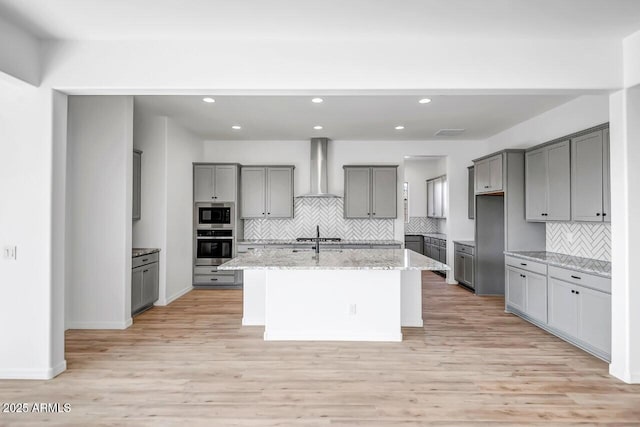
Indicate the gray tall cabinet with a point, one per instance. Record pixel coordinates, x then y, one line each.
370 192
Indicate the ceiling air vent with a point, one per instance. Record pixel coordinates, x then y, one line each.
449 132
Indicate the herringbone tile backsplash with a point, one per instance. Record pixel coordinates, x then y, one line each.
590 240
325 212
422 224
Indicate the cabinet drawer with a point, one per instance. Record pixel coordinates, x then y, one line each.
211 270
525 264
246 248
579 278
469 250
427 240
144 259
214 279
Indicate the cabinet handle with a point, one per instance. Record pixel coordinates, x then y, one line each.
213 271
214 279
145 260
144 271
598 214
522 263
577 292
374 213
604 214
576 277
262 213
572 291
486 186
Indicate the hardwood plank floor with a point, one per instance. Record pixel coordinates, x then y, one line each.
191 363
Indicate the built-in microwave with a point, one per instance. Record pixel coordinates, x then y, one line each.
213 247
214 215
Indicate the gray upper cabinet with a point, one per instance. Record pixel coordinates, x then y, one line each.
548 183
587 177
370 192
471 194
137 184
280 192
488 177
266 192
437 197
606 177
214 183
384 192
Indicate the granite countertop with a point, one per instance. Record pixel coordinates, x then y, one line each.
466 242
333 259
587 265
136 252
434 235
295 242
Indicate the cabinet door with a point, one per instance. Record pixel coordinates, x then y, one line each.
471 203
483 176
468 270
563 307
515 288
385 187
203 183
586 177
437 197
431 212
458 265
279 193
606 177
252 193
594 318
225 183
536 296
495 173
413 245
149 283
136 289
536 184
558 182
137 184
357 193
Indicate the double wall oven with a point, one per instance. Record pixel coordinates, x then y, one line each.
214 233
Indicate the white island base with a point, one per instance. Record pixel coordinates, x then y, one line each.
333 305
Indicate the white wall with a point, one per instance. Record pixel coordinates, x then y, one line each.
98 220
631 52
167 202
416 172
19 53
459 155
183 148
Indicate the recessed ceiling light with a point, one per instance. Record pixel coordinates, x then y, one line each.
317 127
317 100
209 100
425 100
236 127
399 127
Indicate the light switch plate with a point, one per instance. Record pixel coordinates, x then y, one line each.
10 252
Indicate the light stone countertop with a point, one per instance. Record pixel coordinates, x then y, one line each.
333 259
136 252
295 242
586 265
434 235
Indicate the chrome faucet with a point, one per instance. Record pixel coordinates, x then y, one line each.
317 239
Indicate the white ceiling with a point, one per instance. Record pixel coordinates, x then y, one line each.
323 19
348 117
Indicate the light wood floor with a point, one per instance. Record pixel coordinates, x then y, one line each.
192 364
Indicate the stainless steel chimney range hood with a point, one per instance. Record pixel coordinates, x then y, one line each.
318 166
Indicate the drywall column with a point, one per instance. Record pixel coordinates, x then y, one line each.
98 220
625 233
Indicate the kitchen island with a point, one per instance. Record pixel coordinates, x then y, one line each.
339 294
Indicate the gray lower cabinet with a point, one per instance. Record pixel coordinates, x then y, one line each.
414 243
572 305
464 264
144 282
266 192
137 185
548 183
370 192
590 181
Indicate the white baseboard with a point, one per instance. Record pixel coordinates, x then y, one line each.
328 336
178 294
624 375
100 325
248 321
412 323
33 374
